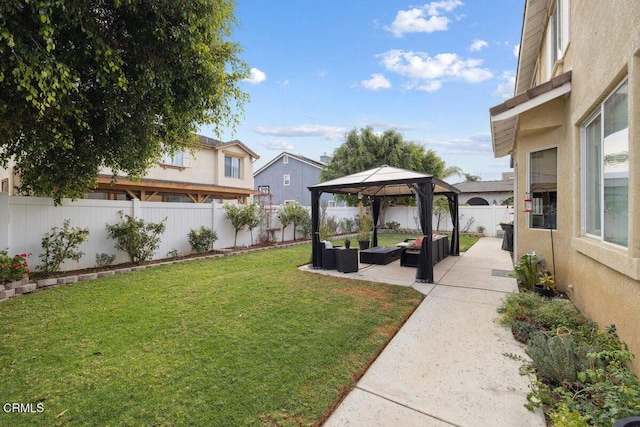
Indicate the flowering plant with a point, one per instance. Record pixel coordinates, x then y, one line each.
202 240
13 268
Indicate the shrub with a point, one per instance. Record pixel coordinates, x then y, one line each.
578 374
104 260
61 244
13 268
202 240
392 225
138 239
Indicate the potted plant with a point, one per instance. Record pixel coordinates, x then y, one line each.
347 243
546 284
366 225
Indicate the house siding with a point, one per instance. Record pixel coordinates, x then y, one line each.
601 279
302 175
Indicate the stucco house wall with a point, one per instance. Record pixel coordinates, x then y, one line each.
603 50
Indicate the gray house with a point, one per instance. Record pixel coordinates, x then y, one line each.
287 177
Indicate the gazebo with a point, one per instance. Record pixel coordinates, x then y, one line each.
387 181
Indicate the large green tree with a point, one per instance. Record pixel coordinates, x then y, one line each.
114 83
365 149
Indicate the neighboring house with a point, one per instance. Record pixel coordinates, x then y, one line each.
287 177
573 133
485 193
218 171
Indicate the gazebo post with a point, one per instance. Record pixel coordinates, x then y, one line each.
316 250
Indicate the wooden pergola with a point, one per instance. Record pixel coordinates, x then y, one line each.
387 181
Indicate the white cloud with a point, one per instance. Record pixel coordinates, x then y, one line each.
256 76
279 145
475 145
377 81
506 86
424 19
516 50
428 72
478 45
329 132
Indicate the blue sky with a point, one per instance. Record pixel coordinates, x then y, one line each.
429 70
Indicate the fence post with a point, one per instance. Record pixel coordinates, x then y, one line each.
136 209
4 221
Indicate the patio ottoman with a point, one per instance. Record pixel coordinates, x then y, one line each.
380 255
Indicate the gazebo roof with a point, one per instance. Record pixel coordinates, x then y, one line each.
383 181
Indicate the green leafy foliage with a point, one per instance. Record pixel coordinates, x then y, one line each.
61 244
202 240
579 374
292 213
87 84
235 214
13 268
104 259
138 239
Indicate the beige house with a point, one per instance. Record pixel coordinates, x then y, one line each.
573 133
217 171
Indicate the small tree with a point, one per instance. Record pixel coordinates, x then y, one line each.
292 213
61 244
284 216
298 216
440 210
253 217
138 239
238 219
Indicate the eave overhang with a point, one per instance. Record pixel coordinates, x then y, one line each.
504 117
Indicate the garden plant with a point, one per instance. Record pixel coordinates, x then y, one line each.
139 239
579 374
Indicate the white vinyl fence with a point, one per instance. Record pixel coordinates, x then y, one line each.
24 220
471 217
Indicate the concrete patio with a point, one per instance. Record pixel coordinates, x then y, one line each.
446 366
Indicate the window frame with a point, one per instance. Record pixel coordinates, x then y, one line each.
598 112
171 159
286 180
529 193
228 172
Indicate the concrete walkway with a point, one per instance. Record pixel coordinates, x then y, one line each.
446 366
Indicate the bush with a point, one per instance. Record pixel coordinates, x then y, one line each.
61 244
579 375
138 239
13 268
202 240
104 260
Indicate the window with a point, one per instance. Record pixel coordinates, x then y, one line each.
285 159
558 33
289 202
176 160
5 185
543 188
286 180
605 143
232 167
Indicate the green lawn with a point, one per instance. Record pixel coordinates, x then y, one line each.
390 239
234 341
